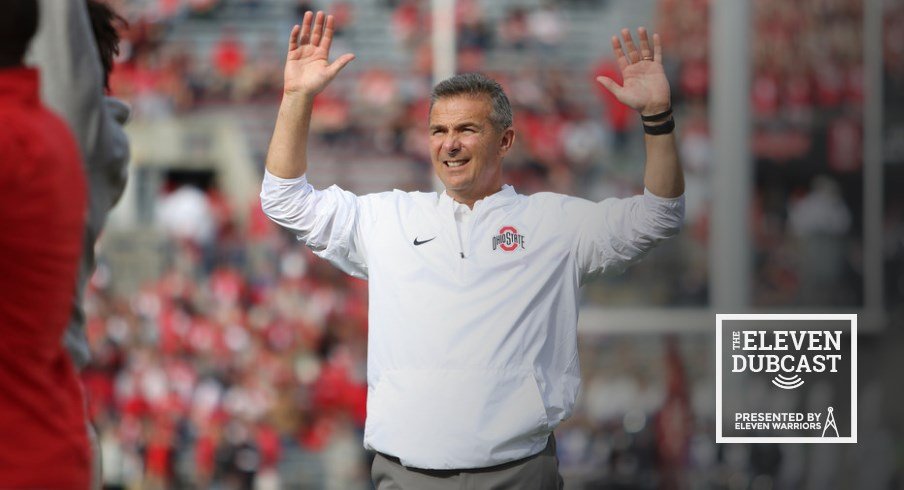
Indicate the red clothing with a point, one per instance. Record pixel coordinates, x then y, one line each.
618 115
43 203
229 56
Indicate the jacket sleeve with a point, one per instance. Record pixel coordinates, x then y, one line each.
615 233
66 54
72 86
327 221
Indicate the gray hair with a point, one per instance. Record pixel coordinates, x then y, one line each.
477 84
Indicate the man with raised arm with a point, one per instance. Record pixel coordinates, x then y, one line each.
472 348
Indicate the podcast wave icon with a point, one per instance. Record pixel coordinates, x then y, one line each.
787 382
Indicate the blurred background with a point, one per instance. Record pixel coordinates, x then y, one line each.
227 356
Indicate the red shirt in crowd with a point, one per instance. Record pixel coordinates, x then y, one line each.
43 203
618 115
229 55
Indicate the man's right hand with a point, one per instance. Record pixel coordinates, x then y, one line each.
308 70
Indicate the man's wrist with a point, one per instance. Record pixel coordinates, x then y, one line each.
296 96
655 109
657 128
657 120
657 116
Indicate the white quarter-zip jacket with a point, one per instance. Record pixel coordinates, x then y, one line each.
472 343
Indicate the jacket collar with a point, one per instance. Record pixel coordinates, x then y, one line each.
500 198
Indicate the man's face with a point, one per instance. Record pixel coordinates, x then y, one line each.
465 147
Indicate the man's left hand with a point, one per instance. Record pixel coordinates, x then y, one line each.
645 88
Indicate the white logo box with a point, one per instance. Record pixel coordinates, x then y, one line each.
852 318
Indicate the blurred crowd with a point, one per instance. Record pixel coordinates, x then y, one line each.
243 365
807 142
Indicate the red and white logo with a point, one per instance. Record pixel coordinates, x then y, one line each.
508 239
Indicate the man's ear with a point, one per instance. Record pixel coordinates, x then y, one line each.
507 140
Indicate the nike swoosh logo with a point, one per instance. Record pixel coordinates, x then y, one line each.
417 242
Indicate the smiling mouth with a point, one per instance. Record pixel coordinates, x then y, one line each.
456 163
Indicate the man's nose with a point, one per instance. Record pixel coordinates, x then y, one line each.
452 145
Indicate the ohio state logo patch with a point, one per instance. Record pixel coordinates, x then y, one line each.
508 239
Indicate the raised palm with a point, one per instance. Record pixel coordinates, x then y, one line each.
308 70
645 87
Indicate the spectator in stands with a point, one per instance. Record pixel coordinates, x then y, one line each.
617 114
43 440
343 15
186 215
545 27
228 58
407 23
474 32
820 221
462 399
514 32
302 6
203 8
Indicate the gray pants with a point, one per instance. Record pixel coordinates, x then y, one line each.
537 472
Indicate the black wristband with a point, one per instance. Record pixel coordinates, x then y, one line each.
657 117
664 128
